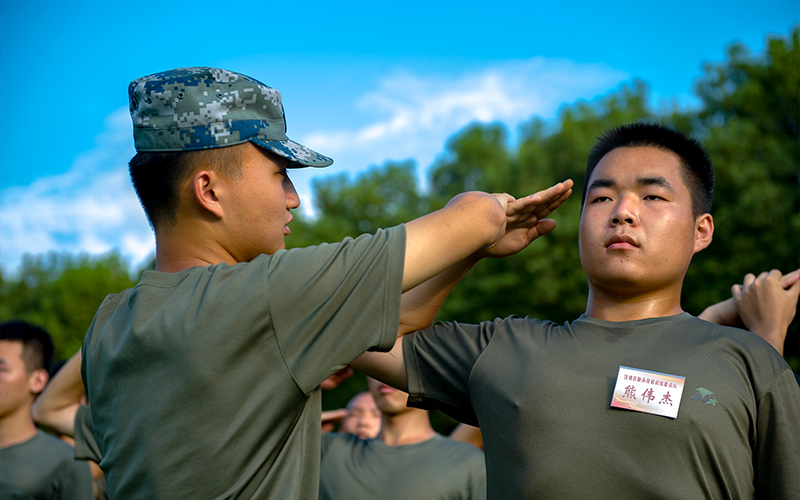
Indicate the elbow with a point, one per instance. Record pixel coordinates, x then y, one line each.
488 214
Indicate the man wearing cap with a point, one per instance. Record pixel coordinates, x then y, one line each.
204 378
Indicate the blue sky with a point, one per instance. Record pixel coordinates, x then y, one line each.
362 82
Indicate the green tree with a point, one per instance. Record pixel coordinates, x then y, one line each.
378 198
749 123
61 293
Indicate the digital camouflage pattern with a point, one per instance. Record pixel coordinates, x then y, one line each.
188 109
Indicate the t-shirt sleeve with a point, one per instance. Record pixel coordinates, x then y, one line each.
332 302
777 450
439 360
85 444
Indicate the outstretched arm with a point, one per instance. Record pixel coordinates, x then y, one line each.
57 405
765 305
474 221
525 221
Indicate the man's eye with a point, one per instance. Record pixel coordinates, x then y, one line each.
601 199
653 197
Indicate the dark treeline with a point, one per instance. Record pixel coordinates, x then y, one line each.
748 120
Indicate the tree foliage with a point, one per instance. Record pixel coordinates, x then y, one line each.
61 292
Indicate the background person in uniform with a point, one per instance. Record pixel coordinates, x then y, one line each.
33 464
363 418
62 407
635 395
408 459
217 356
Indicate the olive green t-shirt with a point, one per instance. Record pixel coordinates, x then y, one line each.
43 467
85 443
541 394
369 469
205 383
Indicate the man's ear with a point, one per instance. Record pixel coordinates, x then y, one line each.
703 232
37 381
205 184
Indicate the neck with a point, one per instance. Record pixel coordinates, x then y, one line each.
408 427
16 427
179 249
612 306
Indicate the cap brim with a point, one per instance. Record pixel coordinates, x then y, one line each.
298 155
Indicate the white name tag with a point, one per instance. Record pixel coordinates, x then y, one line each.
648 392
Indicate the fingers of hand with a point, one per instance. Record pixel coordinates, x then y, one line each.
790 279
554 192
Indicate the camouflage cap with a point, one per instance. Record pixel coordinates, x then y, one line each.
188 109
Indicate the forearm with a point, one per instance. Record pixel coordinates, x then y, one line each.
722 313
57 405
443 238
420 305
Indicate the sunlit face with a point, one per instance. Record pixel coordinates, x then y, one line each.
260 207
637 230
389 400
363 417
16 384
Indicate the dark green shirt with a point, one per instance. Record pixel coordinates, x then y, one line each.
541 394
43 468
205 383
369 469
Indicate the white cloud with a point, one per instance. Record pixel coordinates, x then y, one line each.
93 208
411 116
90 208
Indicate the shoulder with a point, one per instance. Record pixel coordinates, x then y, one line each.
760 360
749 341
53 446
509 324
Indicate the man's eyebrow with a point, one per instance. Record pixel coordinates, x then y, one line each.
601 183
655 181
641 181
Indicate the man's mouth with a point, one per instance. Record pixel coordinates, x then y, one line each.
286 229
622 242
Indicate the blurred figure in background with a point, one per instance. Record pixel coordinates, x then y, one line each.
407 460
63 408
33 464
363 418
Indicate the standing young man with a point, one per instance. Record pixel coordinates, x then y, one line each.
204 378
33 464
407 459
635 396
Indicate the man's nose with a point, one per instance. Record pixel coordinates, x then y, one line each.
292 198
626 211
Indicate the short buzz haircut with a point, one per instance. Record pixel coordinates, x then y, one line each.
697 172
37 346
157 177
